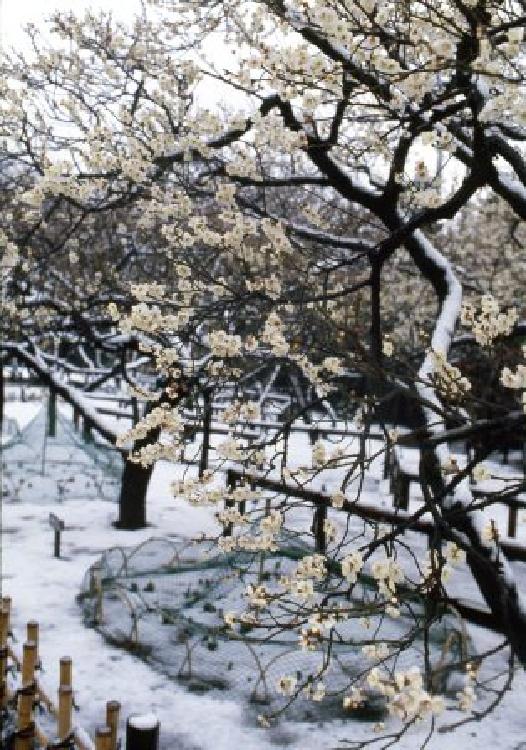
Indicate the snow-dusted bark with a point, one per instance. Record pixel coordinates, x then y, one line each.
487 562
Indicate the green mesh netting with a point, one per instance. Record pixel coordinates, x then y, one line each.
165 599
37 467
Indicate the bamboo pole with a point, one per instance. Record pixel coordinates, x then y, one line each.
24 709
32 634
29 651
66 667
112 721
103 738
7 606
513 515
24 737
65 706
4 626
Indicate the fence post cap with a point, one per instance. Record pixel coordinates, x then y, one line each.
143 721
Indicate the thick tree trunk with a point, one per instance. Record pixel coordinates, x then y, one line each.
485 559
134 486
132 499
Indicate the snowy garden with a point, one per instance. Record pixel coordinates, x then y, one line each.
263 383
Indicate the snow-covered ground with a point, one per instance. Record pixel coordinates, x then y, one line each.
44 588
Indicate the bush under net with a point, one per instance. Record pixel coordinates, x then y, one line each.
165 600
37 466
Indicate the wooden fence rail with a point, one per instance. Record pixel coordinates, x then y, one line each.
474 613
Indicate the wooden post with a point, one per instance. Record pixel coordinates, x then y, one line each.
76 418
58 526
513 514
135 410
66 671
6 606
231 484
24 708
32 636
286 436
103 738
29 661
207 431
86 431
24 737
4 626
52 414
65 706
25 726
314 435
112 721
318 528
32 632
401 484
387 460
142 732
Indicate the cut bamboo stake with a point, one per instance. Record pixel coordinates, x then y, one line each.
66 671
103 738
24 737
4 626
29 661
6 606
65 705
24 708
32 633
112 721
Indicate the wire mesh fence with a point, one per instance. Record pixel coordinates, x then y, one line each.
166 601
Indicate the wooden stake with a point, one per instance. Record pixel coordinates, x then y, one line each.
29 662
32 632
103 738
513 516
24 738
66 671
112 721
6 605
4 626
24 709
65 705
